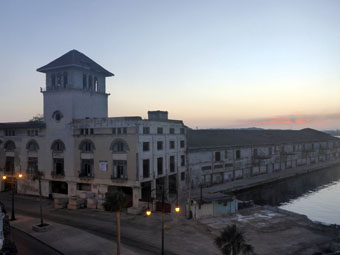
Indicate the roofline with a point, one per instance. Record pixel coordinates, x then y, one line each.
26 124
45 70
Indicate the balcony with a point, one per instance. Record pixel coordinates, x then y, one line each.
121 177
86 175
59 174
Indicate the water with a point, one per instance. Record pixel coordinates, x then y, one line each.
316 195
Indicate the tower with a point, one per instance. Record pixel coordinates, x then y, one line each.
75 88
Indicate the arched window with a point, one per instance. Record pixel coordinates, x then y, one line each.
86 146
57 115
65 79
58 146
32 145
96 84
58 80
53 80
119 145
90 82
9 146
84 81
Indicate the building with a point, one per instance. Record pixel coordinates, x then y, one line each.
79 148
217 156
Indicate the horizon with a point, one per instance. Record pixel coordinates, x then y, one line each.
222 65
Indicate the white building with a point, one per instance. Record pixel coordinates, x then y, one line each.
80 149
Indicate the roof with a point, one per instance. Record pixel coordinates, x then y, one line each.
27 124
74 58
205 138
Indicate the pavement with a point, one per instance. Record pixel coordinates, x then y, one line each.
89 231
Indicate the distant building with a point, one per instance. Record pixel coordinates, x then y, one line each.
217 156
80 149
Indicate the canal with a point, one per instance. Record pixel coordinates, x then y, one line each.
316 195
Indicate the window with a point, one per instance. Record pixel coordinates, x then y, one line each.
32 146
113 131
9 146
146 168
160 166
9 132
217 156
119 146
238 154
86 146
159 130
206 168
124 130
86 168
90 83
146 146
86 131
58 146
182 160
84 81
9 165
182 144
58 80
172 163
65 80
255 152
32 165
57 115
91 131
172 144
146 130
182 131
119 131
82 131
172 131
95 84
53 80
182 176
270 151
83 186
159 145
119 169
58 167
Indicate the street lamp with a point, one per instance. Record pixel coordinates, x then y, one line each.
4 178
148 213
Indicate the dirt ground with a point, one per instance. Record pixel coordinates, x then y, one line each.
274 231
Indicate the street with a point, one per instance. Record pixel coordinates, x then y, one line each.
27 245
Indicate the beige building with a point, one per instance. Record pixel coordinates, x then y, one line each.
80 149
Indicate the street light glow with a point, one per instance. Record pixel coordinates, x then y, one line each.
148 212
177 209
20 175
4 177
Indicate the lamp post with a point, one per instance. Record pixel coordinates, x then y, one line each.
148 212
4 178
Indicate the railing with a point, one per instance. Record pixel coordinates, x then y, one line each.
55 174
124 177
86 175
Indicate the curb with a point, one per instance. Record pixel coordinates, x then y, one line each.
49 246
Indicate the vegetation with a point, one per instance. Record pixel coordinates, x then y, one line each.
37 118
114 202
232 242
37 176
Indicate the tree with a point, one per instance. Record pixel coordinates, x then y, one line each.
114 202
232 242
37 176
37 118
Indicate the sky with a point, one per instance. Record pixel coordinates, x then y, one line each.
212 64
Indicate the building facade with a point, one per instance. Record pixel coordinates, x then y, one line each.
79 148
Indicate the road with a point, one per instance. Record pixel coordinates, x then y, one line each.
27 245
140 234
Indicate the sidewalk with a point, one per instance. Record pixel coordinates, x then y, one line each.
69 240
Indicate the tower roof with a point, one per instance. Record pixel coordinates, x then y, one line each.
74 58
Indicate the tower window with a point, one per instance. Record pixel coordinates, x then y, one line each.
57 115
53 80
58 80
95 83
65 79
84 81
90 83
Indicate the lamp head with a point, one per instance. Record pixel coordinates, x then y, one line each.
148 212
20 175
177 209
4 177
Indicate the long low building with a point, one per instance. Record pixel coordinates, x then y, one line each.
218 156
